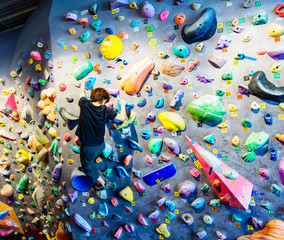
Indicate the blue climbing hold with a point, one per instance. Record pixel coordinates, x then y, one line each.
99 40
273 153
268 119
109 30
134 145
145 134
121 172
135 23
103 209
170 205
75 149
142 103
159 103
90 83
47 55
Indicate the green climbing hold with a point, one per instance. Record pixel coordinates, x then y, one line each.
47 169
40 167
32 93
8 145
17 203
227 76
93 215
53 147
49 218
32 188
54 191
104 80
113 185
83 70
21 217
248 157
32 204
210 139
107 172
56 159
150 28
22 185
220 92
118 76
207 109
256 140
42 82
59 151
47 125
235 218
246 123
155 145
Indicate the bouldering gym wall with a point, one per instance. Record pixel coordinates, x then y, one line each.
201 154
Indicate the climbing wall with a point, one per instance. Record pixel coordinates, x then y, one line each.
235 117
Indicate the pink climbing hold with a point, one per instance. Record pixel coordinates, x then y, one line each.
118 233
35 55
62 87
10 107
164 15
235 194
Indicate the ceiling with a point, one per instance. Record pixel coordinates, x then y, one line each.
14 13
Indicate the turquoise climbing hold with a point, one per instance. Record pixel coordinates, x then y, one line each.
83 70
85 36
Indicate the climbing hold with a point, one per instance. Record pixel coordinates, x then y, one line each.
83 70
199 47
120 18
281 170
172 145
153 42
229 173
259 18
238 29
181 51
195 6
192 64
268 119
83 21
85 36
132 82
93 9
273 153
184 81
235 141
186 188
223 42
279 137
138 185
109 30
7 190
207 109
81 222
210 139
127 194
150 28
170 68
198 203
276 67
176 102
142 220
103 209
166 85
179 19
147 10
216 61
135 23
207 219
247 37
155 145
111 47
232 108
132 5
164 15
162 229
154 215
257 140
275 30
227 76
170 38
203 29
71 16
96 25
172 121
36 56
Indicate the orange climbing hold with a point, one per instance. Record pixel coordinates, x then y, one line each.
279 137
135 46
121 35
96 67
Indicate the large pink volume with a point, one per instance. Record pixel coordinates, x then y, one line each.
132 82
235 193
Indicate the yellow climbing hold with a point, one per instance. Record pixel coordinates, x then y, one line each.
172 121
223 124
21 196
275 30
23 157
281 105
152 42
127 194
232 108
22 122
111 47
91 200
5 151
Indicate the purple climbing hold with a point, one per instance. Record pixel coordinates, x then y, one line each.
170 38
223 42
57 172
147 10
118 3
73 196
238 29
203 79
172 145
243 89
81 222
